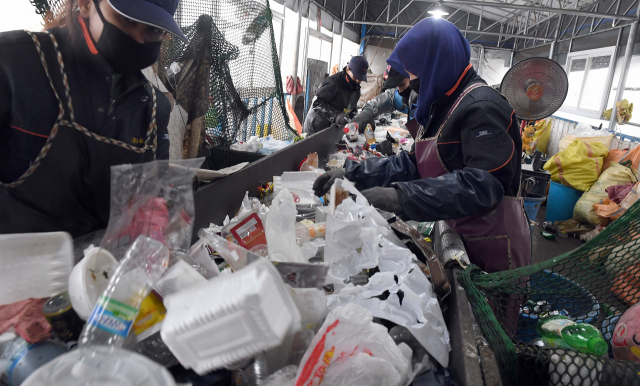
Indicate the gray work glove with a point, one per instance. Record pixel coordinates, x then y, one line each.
324 182
341 119
365 117
387 199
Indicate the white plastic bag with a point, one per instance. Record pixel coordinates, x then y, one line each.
419 310
351 350
281 230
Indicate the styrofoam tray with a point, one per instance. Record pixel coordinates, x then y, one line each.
229 318
34 265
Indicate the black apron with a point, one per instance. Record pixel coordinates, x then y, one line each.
67 187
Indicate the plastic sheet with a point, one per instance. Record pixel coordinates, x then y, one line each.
418 311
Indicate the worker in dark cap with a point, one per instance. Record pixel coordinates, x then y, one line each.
396 96
337 97
73 103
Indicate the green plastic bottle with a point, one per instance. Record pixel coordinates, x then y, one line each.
581 336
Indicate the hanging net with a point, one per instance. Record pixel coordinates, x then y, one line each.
593 284
231 43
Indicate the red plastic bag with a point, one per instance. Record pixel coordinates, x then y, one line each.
290 89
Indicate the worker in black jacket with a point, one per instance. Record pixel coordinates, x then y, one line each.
337 97
73 103
465 166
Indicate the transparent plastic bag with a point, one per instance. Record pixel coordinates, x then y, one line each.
151 199
281 230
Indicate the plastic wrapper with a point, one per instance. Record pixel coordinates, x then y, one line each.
151 199
236 256
311 165
281 232
349 349
286 376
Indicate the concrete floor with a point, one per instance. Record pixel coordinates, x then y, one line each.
544 249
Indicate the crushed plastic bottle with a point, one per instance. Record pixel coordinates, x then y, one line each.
19 358
113 316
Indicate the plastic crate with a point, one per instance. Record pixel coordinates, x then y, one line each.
221 157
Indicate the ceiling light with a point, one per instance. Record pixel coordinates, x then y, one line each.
439 11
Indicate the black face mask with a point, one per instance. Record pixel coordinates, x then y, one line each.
405 93
415 85
123 53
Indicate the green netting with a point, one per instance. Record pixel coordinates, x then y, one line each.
232 45
593 284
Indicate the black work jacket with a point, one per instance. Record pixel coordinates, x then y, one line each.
110 105
335 95
480 145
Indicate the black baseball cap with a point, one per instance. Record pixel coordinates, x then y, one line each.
392 78
156 13
359 66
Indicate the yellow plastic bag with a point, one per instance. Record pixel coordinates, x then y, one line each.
584 210
578 166
568 140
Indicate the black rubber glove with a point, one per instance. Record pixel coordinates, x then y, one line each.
324 182
365 117
387 199
341 119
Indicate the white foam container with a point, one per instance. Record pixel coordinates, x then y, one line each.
34 265
229 318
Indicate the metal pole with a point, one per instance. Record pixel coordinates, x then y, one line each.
480 58
552 50
531 8
512 59
624 71
609 82
398 14
480 20
344 13
294 76
471 31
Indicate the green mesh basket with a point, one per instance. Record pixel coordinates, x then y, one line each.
593 284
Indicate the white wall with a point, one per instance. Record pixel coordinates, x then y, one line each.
379 64
19 14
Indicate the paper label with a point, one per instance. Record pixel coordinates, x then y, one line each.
113 316
557 325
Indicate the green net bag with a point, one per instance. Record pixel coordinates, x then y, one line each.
594 284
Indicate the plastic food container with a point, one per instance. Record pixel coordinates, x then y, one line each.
89 278
229 318
34 265
101 366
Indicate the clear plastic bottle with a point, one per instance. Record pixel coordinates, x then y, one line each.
369 135
113 316
351 130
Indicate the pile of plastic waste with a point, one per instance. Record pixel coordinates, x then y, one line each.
294 290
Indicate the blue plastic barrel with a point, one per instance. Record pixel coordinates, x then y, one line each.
561 201
532 204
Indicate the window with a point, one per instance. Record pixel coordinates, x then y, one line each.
278 26
589 73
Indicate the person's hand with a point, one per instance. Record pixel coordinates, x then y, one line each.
365 117
324 182
341 119
387 199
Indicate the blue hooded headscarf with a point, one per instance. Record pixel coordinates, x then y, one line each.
435 51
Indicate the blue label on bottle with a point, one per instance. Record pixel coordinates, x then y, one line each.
113 317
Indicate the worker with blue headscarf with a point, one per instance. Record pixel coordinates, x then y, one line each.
465 166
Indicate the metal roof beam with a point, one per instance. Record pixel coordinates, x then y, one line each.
531 8
471 31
